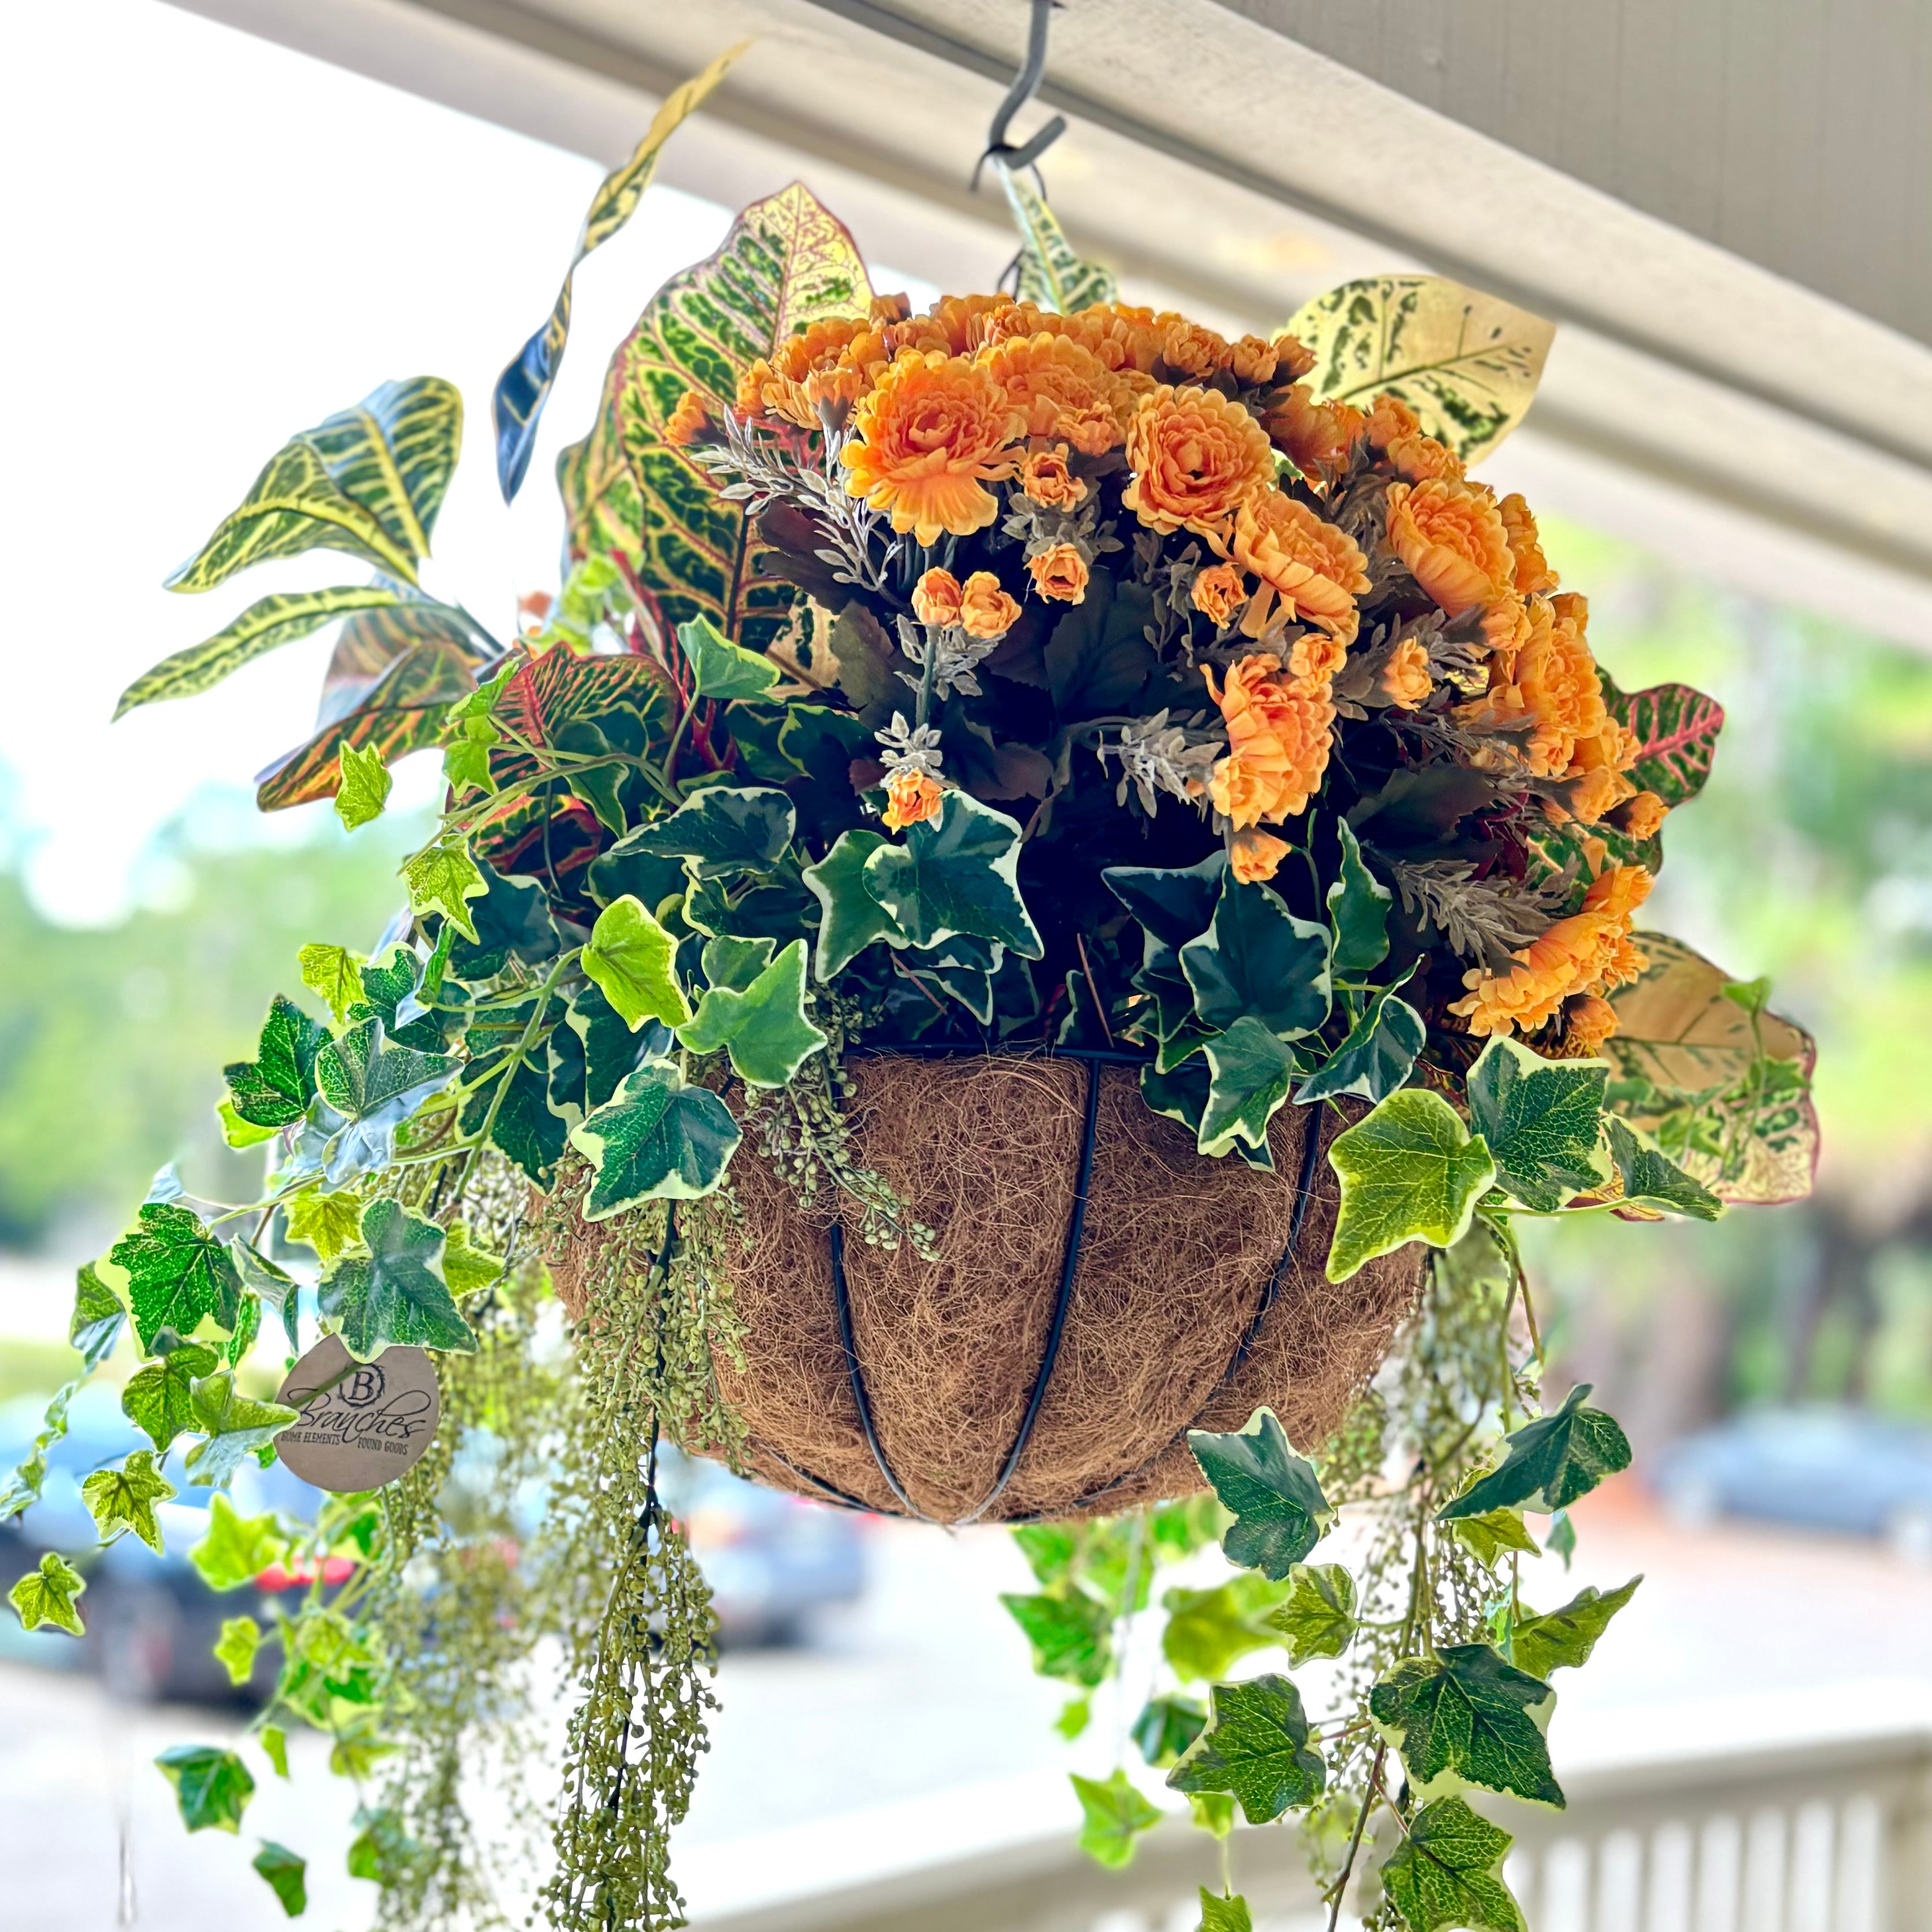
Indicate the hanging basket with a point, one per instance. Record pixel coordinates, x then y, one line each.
1100 1289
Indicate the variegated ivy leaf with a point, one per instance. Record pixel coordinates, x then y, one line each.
1376 1057
1410 1171
1467 364
178 1274
24 1486
124 1498
1358 910
1255 1749
1652 1179
850 919
720 670
274 1088
159 1398
1207 1631
958 873
235 1427
1071 1634
212 1786
1447 1871
659 1139
1463 1717
1552 1461
1052 275
395 1292
1113 1816
235 1650
630 957
443 879
47 1594
764 1028
236 1549
524 387
1564 1638
97 1319
286 1872
363 790
1280 1512
1251 1073
1257 959
1318 1619
1542 1121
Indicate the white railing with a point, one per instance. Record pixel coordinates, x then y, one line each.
1827 1829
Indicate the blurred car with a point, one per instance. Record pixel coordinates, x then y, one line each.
1815 1468
150 1620
772 1560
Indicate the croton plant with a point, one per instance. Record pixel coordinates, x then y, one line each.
1038 672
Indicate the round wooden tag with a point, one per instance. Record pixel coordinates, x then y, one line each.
361 1424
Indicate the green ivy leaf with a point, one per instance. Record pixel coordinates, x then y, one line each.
719 668
286 1872
326 1223
1652 1179
178 1274
1564 1638
725 829
271 1284
1174 904
1228 1914
1377 1057
1551 1462
1256 958
1255 1749
630 956
1488 1536
234 1649
97 1319
24 1486
1410 1171
1542 1121
46 1596
1113 1816
1465 1717
212 1786
1075 1716
1166 1726
1358 911
1447 1871
852 919
236 1549
465 1268
371 1081
958 873
1318 1619
1280 1512
395 1293
124 1498
1251 1073
364 788
274 1088
443 879
275 1742
332 972
660 1139
1208 1630
1070 1632
236 1428
159 1398
763 1028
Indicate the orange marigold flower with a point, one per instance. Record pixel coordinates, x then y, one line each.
1533 573
1643 816
931 434
911 795
1315 566
1317 656
689 420
1218 592
1191 352
1278 741
1047 480
1590 952
1065 389
1405 679
1252 361
1316 437
1254 855
958 324
1588 1021
1393 428
1551 677
776 387
1294 359
985 611
1059 573
886 310
935 598
1450 538
1194 455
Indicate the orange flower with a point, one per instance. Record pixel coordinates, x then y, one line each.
778 387
1046 478
1218 592
689 420
1643 816
911 795
1393 429
935 598
886 310
985 611
1254 855
1059 573
1317 656
958 324
1588 1021
932 432
1194 455
1533 573
1450 538
1066 390
1278 737
1405 680
1590 952
1251 360
1316 436
1294 359
1315 566
1190 351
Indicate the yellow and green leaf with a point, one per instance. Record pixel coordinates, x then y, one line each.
1052 273
393 453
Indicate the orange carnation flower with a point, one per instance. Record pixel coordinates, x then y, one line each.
1317 656
1294 359
1066 390
1194 455
1278 739
779 386
1393 429
985 611
1254 855
1588 1021
1047 480
1405 680
689 420
1191 351
1316 437
1643 816
1251 361
1590 952
1315 566
931 432
911 795
1218 592
1533 573
1059 573
1450 538
935 598
959 325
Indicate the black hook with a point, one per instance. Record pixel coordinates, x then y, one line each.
1025 86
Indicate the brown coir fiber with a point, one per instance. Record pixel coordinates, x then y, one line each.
1176 1255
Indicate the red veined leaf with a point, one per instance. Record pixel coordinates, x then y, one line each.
1676 729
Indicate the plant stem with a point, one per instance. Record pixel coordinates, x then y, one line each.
1355 1839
